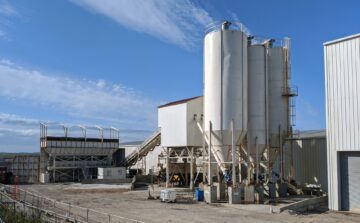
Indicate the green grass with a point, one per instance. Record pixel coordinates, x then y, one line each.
8 216
12 155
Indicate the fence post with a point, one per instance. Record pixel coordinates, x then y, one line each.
87 214
109 219
24 200
69 210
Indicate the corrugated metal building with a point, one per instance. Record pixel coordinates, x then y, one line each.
305 160
26 168
342 78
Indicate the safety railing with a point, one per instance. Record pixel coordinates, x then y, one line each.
142 149
51 210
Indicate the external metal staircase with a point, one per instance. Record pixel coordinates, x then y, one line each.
147 146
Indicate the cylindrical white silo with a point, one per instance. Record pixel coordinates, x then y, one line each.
225 90
278 103
257 99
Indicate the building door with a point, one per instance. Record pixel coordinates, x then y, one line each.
350 181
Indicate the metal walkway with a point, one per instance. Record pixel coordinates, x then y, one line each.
147 146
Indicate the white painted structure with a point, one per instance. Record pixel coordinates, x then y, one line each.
257 98
342 82
178 123
278 89
225 90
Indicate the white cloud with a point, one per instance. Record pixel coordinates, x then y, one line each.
21 134
6 9
99 101
12 119
177 21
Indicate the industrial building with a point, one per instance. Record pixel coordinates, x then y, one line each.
236 141
69 158
240 132
239 127
342 69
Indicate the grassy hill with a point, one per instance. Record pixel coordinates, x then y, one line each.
11 155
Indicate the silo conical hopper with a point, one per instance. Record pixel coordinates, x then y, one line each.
225 90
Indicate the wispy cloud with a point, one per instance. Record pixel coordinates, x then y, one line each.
21 134
95 100
11 119
177 21
6 9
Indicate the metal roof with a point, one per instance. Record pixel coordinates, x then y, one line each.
342 39
178 102
308 134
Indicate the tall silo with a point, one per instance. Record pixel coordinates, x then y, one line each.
257 135
225 90
278 98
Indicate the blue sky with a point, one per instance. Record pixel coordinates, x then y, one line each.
111 62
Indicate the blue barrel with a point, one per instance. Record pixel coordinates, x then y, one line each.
199 194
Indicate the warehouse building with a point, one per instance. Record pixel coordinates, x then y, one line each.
342 69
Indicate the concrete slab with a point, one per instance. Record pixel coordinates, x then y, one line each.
78 186
135 205
305 204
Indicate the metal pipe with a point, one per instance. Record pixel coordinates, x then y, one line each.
267 104
192 169
257 159
240 178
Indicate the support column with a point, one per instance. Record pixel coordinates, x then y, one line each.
186 172
192 169
257 160
167 167
203 158
233 153
74 168
240 177
281 156
54 169
210 172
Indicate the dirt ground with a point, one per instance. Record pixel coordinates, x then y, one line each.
135 205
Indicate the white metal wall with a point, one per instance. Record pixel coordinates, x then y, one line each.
172 120
194 136
342 81
178 125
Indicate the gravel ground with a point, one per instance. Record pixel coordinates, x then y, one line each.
135 205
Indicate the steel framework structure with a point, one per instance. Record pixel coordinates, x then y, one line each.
67 158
